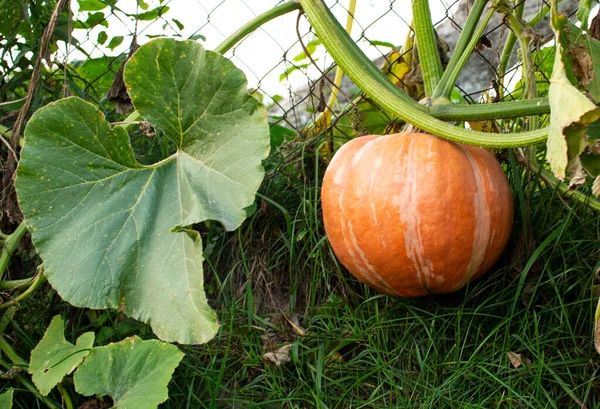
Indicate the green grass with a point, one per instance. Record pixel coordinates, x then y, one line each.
361 349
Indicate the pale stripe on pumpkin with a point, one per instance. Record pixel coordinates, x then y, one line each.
482 226
409 215
352 247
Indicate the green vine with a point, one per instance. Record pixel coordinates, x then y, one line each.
444 88
431 65
10 244
383 92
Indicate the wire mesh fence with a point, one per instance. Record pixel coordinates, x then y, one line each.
286 65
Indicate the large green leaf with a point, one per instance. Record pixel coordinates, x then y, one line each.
54 357
6 399
116 234
133 372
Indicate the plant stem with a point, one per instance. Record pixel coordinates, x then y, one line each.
461 46
10 244
360 69
525 40
323 121
252 25
453 73
12 354
35 283
429 57
499 110
65 395
29 386
511 40
12 284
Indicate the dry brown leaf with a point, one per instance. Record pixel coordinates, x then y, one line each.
578 174
582 64
278 357
516 360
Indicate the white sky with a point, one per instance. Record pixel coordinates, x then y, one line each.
261 54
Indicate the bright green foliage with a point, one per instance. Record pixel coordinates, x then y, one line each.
6 399
91 5
116 234
135 373
592 46
583 13
54 357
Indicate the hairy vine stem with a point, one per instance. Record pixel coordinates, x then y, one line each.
444 88
323 120
37 280
429 56
384 93
10 244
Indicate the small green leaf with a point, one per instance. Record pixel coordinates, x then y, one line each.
91 5
293 68
153 14
591 163
279 134
102 37
142 4
115 42
583 13
178 23
54 357
6 399
135 373
92 21
570 114
379 43
197 37
311 47
593 131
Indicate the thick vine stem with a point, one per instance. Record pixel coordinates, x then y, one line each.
429 56
360 69
10 244
454 72
482 112
323 120
37 280
464 38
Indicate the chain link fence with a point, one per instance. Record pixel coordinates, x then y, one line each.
289 80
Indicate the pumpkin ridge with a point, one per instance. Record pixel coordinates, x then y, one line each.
482 225
413 240
364 267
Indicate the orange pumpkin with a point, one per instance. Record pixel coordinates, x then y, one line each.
413 214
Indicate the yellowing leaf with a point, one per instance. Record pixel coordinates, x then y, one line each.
571 113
